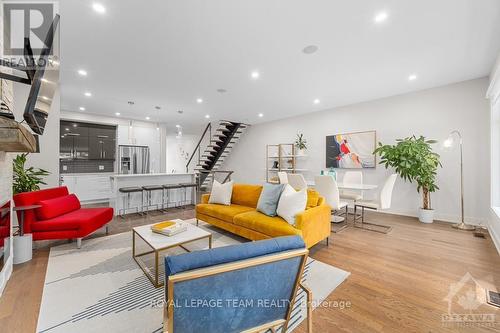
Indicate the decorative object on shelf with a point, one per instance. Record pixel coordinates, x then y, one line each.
26 179
332 172
351 150
449 143
414 160
301 144
276 165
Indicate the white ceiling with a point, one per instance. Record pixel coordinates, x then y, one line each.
169 53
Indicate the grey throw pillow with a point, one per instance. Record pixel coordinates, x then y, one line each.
269 198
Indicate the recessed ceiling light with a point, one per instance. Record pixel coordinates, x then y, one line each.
381 17
310 49
99 8
207 116
75 125
117 113
412 77
261 115
178 126
88 94
82 108
157 128
66 129
147 118
82 72
255 75
199 100
316 101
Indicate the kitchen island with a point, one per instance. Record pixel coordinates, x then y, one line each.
118 200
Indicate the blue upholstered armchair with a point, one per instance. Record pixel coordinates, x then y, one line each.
249 287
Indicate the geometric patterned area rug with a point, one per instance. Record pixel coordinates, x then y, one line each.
100 288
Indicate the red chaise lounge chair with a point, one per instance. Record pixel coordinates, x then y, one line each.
60 215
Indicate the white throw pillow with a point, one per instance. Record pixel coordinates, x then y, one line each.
221 193
291 203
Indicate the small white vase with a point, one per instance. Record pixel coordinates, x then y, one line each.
426 215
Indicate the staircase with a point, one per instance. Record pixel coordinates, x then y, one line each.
211 150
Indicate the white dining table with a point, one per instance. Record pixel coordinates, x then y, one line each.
342 186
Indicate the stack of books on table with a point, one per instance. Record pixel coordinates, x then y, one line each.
169 228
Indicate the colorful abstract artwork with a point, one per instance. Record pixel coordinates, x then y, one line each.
351 150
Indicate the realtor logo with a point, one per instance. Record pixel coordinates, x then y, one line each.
467 305
26 19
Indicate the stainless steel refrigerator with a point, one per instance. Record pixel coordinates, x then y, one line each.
133 159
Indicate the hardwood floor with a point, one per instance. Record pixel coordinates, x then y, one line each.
398 281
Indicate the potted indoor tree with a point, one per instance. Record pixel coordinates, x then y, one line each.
26 179
300 144
414 160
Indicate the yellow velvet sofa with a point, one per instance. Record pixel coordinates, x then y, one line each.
242 218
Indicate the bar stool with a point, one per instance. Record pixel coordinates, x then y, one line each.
129 190
185 186
166 189
148 189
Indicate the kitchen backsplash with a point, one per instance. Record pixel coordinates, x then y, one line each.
86 166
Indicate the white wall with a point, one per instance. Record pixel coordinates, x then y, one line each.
141 133
494 96
432 113
48 158
176 147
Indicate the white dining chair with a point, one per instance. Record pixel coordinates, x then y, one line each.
352 178
327 187
283 177
382 202
297 181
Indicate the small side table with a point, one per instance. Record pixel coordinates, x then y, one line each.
23 244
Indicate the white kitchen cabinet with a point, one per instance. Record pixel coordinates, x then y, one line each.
89 187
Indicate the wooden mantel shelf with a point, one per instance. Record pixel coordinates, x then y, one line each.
14 137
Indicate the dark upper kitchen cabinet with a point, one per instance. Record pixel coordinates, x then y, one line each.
102 148
83 141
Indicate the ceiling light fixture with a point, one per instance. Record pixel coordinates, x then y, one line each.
199 100
412 77
381 17
82 72
310 49
117 113
147 118
316 101
255 75
207 116
261 115
82 108
178 126
88 94
99 8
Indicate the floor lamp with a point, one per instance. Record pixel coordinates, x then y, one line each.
449 143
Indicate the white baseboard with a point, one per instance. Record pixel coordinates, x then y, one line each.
494 227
